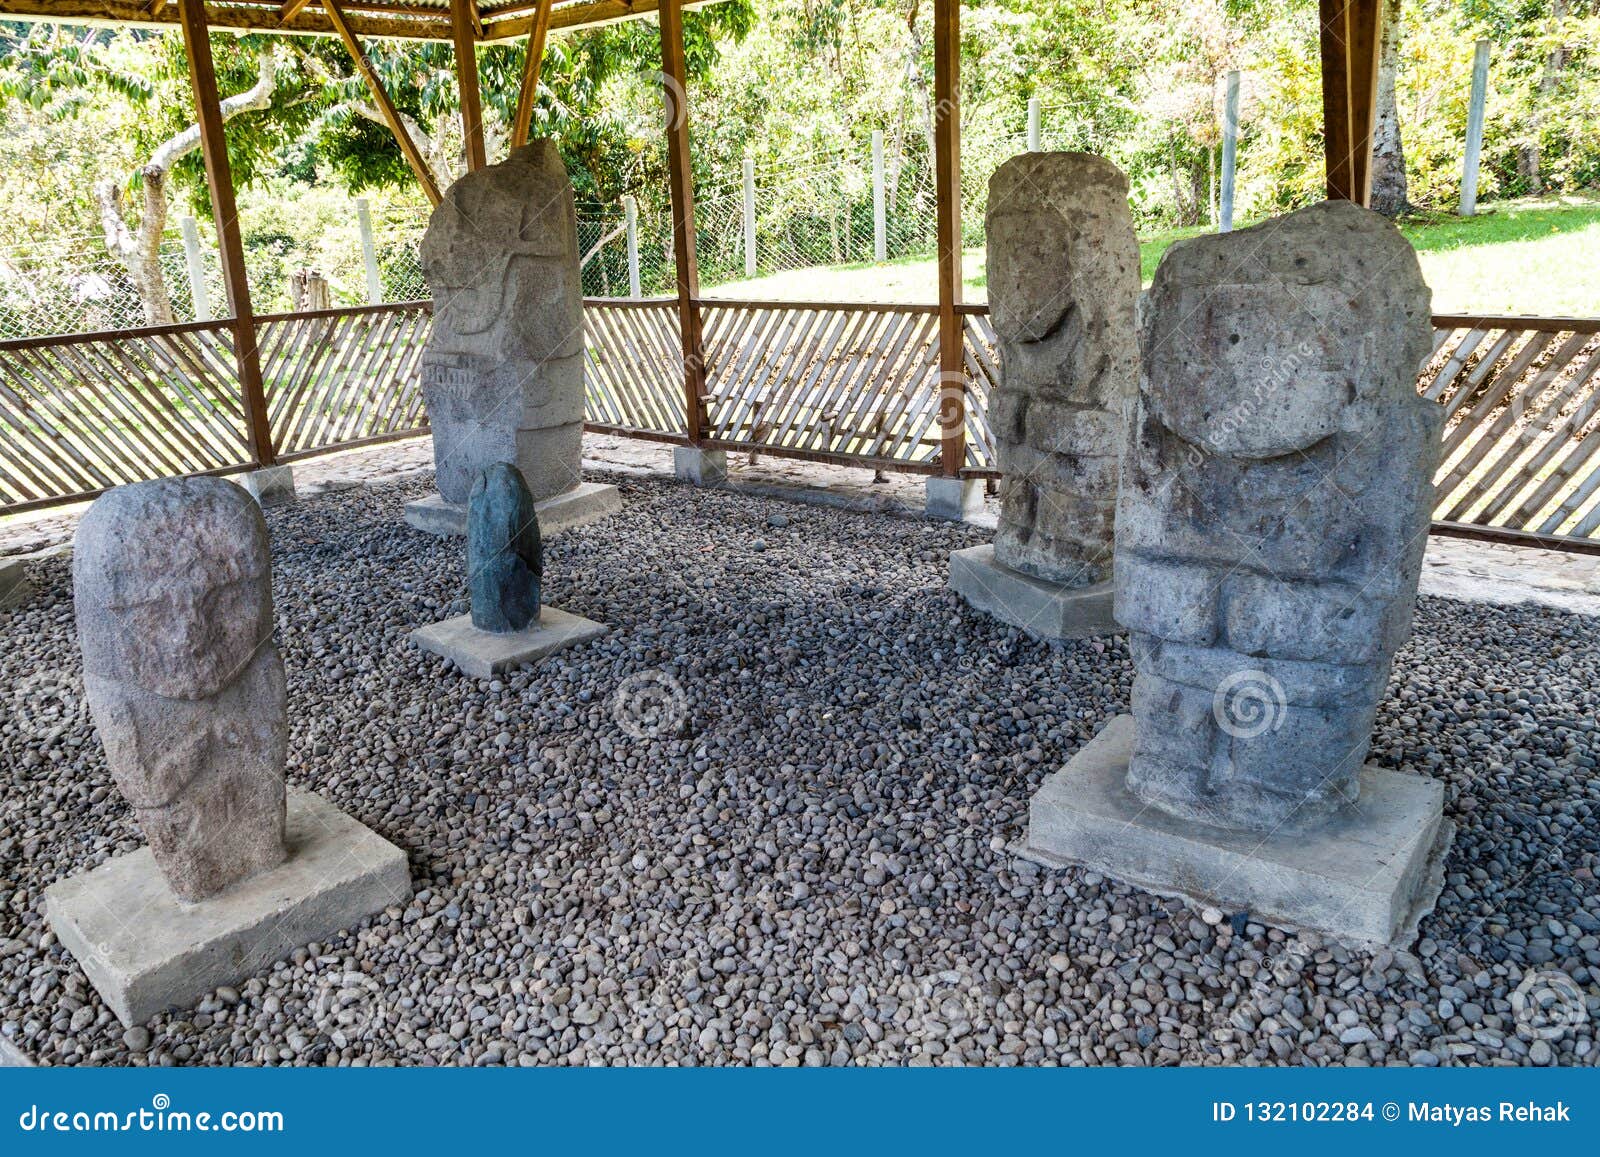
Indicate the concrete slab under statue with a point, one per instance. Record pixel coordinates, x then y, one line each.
145 951
1045 610
172 588
503 370
509 624
585 503
1369 874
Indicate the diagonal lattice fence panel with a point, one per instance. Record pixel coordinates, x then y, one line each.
80 415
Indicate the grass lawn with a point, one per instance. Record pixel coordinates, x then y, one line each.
1528 256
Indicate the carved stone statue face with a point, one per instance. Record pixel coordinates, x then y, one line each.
521 207
171 580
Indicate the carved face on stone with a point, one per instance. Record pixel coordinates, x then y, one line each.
518 208
171 580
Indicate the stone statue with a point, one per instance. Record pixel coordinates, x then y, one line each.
1275 502
172 582
502 374
1063 287
505 559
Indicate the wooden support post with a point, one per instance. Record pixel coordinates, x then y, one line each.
219 179
947 187
630 220
463 31
1350 34
680 182
528 94
198 293
749 217
1475 109
1230 146
380 97
369 252
880 204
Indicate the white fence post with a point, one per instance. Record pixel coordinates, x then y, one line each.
880 213
1230 148
1480 95
369 252
749 217
1035 124
630 215
197 268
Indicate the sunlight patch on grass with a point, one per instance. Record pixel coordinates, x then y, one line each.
1538 256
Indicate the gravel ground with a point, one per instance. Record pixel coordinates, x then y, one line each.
765 821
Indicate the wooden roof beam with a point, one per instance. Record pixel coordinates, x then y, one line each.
291 8
380 97
529 92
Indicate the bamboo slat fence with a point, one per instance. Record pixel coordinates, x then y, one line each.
856 384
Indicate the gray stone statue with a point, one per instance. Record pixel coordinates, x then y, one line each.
172 582
502 374
1274 506
1063 272
505 559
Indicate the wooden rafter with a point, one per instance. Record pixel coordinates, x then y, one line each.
380 97
528 94
680 182
947 186
464 34
371 19
219 180
291 8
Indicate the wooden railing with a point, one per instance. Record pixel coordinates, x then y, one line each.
82 413
337 378
856 384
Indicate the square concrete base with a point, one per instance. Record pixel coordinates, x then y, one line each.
269 486
146 952
1369 875
1046 610
14 585
483 654
585 503
953 498
702 467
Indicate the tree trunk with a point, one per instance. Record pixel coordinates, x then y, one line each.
1388 151
139 250
1529 160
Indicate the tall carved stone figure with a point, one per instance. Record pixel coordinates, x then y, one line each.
1274 507
172 582
503 370
505 559
1063 272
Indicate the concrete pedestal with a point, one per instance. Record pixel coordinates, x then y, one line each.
146 952
269 486
1045 610
483 654
953 498
1370 874
702 467
14 585
585 503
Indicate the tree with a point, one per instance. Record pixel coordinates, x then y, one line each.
69 75
1388 151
